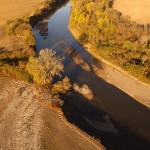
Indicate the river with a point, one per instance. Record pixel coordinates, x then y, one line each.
113 117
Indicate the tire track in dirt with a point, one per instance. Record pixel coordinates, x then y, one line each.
25 125
19 124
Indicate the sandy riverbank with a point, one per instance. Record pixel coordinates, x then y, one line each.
138 10
120 78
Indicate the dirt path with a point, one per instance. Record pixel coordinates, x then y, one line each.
138 10
25 125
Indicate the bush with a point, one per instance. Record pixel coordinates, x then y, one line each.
61 87
15 72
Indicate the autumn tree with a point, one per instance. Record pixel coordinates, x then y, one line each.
61 87
45 66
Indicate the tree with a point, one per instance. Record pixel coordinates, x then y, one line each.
45 67
61 87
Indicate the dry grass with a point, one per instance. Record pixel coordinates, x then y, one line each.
138 10
10 9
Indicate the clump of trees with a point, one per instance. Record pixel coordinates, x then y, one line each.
16 46
22 29
112 36
44 68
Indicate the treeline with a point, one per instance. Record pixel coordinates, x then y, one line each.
17 47
113 37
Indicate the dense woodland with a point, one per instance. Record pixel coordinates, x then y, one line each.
112 36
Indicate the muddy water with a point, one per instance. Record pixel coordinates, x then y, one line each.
120 122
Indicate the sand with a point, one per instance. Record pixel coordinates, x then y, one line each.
138 10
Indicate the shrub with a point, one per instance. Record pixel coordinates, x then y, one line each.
61 87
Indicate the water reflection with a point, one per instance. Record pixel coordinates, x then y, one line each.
77 58
42 27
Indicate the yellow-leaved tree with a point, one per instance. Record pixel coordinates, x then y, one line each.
44 67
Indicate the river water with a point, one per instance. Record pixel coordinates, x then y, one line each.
113 117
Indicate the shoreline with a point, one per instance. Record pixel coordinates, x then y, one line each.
145 100
46 11
89 138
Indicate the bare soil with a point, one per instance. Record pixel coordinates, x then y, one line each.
11 9
138 10
26 125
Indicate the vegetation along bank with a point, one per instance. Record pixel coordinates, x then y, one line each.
112 37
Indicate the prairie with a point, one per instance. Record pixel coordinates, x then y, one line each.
138 10
11 9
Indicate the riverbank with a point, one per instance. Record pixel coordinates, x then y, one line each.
114 37
120 78
35 127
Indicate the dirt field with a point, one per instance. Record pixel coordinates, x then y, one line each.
138 10
25 125
10 9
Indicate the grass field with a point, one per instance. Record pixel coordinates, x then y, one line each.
138 10
10 9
